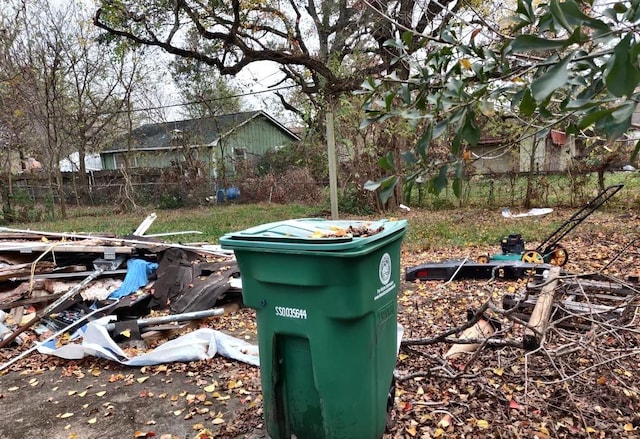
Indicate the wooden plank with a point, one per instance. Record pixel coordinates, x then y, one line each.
32 301
13 271
28 247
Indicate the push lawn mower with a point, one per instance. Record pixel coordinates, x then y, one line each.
549 251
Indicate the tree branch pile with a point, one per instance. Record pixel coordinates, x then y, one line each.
579 378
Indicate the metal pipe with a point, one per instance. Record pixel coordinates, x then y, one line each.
194 315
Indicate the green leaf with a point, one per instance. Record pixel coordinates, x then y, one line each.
527 104
558 15
371 185
575 17
408 187
407 38
372 118
439 182
423 143
623 112
619 121
440 128
636 150
554 78
592 117
622 77
456 142
393 43
526 43
525 10
369 85
388 100
386 161
409 157
580 104
459 169
470 132
405 93
388 186
578 37
457 187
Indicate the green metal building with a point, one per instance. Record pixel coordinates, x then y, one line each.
204 143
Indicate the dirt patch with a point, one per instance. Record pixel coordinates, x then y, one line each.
581 384
99 400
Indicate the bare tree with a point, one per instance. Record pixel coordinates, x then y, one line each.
70 91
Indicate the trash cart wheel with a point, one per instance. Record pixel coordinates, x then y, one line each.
391 400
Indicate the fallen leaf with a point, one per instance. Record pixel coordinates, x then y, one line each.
66 415
445 422
204 434
513 404
92 421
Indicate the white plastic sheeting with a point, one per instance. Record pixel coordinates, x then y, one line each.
201 344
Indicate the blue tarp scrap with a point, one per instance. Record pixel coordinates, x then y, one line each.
138 272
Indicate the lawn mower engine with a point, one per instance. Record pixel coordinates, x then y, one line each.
512 244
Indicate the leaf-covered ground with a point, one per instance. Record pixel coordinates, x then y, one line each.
582 382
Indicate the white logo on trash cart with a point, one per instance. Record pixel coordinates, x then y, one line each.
384 270
384 273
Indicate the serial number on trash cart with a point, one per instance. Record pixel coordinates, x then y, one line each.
292 313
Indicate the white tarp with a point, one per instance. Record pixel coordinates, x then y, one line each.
92 162
533 212
201 344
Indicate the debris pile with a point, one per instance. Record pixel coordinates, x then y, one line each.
54 283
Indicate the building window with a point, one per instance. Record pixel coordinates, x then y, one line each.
240 153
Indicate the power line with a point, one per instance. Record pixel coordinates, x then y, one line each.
200 101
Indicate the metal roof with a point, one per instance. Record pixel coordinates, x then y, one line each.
204 131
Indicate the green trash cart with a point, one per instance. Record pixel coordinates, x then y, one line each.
325 295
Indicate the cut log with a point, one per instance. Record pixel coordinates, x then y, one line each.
482 329
542 311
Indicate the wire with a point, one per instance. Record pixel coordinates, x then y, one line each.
199 101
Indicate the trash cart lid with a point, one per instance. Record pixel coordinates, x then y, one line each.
313 234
